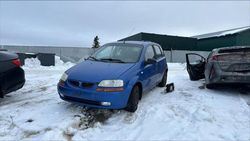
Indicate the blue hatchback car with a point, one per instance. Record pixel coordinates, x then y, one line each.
115 76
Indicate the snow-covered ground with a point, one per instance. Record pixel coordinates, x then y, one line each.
36 112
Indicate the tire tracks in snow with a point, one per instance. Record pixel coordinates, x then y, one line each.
11 125
87 119
17 98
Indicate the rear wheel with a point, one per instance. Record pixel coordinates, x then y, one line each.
133 99
163 80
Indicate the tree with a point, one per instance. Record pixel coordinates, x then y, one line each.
96 43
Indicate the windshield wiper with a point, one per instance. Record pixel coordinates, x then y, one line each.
91 57
113 60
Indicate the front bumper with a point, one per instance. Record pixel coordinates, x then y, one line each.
89 97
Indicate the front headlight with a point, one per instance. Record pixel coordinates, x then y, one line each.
64 77
111 83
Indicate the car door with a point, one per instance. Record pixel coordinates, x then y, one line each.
195 66
160 63
149 69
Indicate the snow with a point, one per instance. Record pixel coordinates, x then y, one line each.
233 31
221 33
36 112
34 63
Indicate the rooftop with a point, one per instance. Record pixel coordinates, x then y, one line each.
152 34
222 33
134 42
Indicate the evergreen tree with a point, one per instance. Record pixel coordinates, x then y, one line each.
96 43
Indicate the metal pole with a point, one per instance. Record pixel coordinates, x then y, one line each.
171 55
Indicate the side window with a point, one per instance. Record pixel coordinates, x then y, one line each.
149 53
158 52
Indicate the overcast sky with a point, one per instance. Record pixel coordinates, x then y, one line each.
76 23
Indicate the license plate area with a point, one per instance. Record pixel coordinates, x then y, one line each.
239 67
236 78
77 94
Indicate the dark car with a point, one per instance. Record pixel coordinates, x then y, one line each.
229 65
115 76
11 74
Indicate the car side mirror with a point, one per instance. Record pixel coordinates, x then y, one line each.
150 61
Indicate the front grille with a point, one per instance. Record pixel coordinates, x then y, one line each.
80 100
87 84
80 84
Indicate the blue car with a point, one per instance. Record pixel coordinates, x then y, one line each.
115 76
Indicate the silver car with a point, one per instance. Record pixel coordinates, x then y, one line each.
229 65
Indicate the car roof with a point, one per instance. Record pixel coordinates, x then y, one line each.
144 43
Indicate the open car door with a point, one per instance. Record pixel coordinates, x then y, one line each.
195 66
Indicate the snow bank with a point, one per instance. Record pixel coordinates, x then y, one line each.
34 63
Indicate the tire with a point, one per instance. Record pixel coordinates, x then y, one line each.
210 86
1 93
133 99
163 80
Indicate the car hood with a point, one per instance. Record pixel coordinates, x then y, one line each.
96 71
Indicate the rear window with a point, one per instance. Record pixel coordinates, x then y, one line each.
234 50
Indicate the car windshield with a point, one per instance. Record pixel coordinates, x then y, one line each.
118 54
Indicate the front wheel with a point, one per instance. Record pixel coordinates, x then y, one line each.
133 100
163 80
